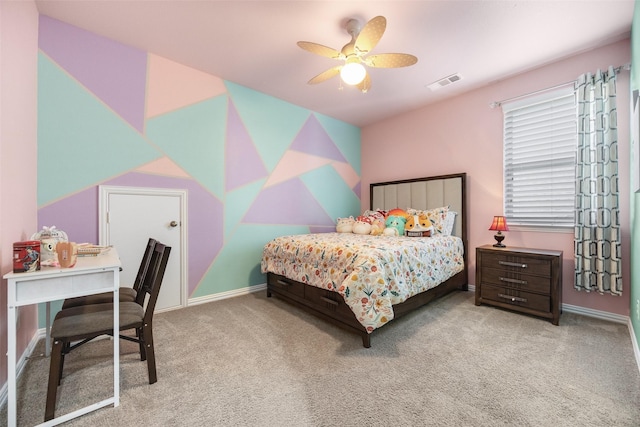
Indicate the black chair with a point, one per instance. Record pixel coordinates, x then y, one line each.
82 324
126 293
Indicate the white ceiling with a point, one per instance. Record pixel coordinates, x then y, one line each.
253 43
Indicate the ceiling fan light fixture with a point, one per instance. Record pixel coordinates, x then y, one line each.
353 73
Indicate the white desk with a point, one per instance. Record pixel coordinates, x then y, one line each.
90 275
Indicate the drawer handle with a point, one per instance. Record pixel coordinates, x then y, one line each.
512 298
513 264
519 282
330 301
283 283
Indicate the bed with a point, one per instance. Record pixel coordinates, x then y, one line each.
362 282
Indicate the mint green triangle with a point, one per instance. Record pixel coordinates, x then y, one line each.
346 137
238 202
193 137
271 122
238 264
81 141
331 192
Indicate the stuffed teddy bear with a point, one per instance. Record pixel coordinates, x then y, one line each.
396 224
345 225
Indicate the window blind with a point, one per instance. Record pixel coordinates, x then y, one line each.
540 140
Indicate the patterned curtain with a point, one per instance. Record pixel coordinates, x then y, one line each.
597 229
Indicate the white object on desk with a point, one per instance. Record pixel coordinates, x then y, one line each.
91 275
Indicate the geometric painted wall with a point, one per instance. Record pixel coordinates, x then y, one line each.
255 167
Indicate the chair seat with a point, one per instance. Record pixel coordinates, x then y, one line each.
126 295
96 319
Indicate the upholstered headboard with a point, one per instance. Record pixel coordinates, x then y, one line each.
425 193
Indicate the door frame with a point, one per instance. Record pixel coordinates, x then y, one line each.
103 221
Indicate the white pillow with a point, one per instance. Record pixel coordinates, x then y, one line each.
449 221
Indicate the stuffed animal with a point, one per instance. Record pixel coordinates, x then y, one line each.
390 231
397 223
49 237
377 227
362 225
345 225
377 214
412 220
424 221
418 225
397 212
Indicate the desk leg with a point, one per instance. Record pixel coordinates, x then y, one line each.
47 334
116 342
11 365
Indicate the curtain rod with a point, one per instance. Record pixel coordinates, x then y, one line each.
495 104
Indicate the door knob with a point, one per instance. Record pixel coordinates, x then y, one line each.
173 224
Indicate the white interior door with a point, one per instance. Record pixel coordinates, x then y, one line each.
129 217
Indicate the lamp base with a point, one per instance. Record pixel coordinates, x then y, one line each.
499 238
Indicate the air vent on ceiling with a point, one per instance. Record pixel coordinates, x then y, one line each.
445 81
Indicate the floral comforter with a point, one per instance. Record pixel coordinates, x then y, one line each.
370 272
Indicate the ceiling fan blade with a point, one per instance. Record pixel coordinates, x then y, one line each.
371 34
365 84
390 60
321 50
326 75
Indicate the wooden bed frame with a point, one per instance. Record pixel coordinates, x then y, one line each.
420 193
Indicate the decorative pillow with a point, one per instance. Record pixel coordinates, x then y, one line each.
437 217
449 222
377 214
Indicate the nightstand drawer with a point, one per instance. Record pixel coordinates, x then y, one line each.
524 282
517 298
517 263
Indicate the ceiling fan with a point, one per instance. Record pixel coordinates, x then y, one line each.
355 54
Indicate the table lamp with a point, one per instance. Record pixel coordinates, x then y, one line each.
499 224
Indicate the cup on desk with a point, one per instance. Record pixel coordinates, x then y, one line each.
67 254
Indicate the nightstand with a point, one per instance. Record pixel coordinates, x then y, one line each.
519 279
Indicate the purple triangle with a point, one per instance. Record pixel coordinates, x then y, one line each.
288 203
242 162
313 139
114 72
356 189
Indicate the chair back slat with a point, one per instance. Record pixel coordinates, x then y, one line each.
144 264
150 288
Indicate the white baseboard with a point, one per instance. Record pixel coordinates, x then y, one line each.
634 342
604 315
227 294
22 361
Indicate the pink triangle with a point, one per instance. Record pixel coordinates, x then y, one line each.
172 85
293 164
163 166
348 174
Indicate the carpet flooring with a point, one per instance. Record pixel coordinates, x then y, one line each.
257 361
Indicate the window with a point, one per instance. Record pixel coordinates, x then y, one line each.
540 140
